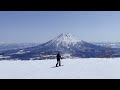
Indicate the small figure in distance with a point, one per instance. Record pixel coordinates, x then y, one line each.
58 59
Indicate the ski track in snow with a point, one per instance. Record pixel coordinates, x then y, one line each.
93 68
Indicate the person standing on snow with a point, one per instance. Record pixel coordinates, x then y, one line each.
58 59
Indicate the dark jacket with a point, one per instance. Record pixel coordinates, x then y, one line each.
58 56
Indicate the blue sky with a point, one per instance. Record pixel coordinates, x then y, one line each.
41 26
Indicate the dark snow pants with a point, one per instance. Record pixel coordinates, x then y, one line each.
58 62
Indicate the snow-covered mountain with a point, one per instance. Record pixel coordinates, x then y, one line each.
61 42
68 45
64 39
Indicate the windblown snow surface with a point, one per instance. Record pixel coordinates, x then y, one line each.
92 68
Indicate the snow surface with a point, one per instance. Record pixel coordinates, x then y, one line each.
93 68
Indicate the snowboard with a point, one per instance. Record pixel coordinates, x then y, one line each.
57 66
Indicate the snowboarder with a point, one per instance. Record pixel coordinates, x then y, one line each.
58 59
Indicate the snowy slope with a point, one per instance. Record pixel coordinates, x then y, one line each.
72 69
